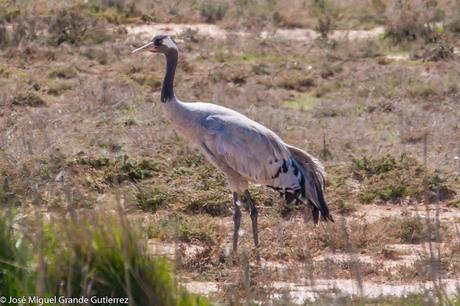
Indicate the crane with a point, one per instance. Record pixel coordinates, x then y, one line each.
244 150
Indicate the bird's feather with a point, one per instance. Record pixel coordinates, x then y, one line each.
256 153
260 156
314 182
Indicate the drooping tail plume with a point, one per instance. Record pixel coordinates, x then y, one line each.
313 184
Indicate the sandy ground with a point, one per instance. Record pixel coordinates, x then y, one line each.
301 288
145 31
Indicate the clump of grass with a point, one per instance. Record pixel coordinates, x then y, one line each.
99 55
409 229
211 203
208 179
23 29
412 20
366 167
57 88
291 17
438 52
346 208
369 168
126 169
390 192
15 278
28 99
296 82
73 26
10 10
438 188
63 73
287 211
302 102
151 199
115 172
410 299
68 26
97 255
326 15
452 18
388 178
422 269
146 79
213 12
454 203
261 57
182 228
351 236
117 12
97 163
3 35
5 71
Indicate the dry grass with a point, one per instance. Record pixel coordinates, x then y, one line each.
81 123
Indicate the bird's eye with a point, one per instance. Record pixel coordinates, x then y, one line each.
157 42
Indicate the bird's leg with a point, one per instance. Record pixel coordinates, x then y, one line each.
254 213
236 220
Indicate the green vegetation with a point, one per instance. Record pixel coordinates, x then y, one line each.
115 172
302 102
63 73
212 13
148 80
296 82
411 299
15 277
182 228
261 57
103 252
82 126
410 230
389 179
209 202
409 21
152 199
28 99
326 16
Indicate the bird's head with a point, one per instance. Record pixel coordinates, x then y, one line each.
159 44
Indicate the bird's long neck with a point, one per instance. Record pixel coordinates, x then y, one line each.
167 92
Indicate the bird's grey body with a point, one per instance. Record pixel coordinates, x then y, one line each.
244 150
255 156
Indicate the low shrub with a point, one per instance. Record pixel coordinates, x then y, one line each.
211 12
412 20
28 99
387 178
409 229
151 199
115 172
182 228
75 26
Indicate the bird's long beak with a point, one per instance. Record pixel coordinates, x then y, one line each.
149 46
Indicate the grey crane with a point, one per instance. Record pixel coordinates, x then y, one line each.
244 150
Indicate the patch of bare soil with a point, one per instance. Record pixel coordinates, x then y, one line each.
392 271
373 212
345 287
212 31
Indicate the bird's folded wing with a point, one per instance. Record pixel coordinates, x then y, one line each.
247 147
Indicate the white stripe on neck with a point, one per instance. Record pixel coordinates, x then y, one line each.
169 43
